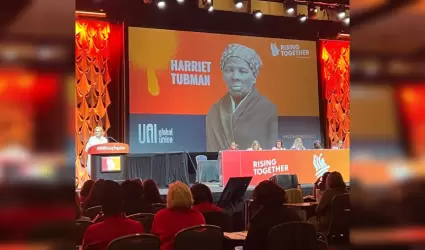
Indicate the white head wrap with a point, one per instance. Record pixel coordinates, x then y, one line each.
242 52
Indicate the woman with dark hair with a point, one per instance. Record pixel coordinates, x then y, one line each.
85 190
95 196
320 186
151 191
115 224
270 198
133 198
335 186
203 199
317 144
78 213
279 145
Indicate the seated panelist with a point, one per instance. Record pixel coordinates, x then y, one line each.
278 146
298 144
255 146
317 145
233 146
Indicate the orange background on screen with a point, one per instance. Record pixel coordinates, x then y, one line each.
289 82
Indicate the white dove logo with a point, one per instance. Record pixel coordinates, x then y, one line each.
320 165
110 164
275 50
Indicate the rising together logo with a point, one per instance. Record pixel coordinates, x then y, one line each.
320 165
274 49
291 50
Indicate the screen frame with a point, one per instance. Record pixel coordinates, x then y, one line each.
127 26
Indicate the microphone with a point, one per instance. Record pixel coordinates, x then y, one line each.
112 138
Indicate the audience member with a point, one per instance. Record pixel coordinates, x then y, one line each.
115 224
133 198
138 181
270 198
151 191
95 195
203 199
335 185
320 186
177 216
85 190
78 214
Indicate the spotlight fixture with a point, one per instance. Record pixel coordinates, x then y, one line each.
257 13
302 18
208 5
161 4
180 1
290 7
341 12
238 4
346 20
312 10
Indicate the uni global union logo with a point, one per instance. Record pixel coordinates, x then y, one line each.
151 134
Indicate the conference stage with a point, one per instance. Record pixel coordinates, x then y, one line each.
187 103
308 165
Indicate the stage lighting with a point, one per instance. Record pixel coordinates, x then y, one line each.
341 12
312 10
180 1
346 20
238 4
208 5
257 13
161 4
302 18
290 7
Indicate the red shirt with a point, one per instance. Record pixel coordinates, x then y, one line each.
168 222
205 207
104 232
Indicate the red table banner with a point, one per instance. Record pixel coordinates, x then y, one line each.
308 165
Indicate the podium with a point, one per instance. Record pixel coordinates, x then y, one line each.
108 161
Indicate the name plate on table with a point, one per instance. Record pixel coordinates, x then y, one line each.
308 164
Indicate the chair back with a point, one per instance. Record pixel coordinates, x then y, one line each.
199 158
322 245
99 218
293 236
339 227
294 195
92 212
199 170
219 219
205 237
145 219
80 229
136 242
155 207
96 246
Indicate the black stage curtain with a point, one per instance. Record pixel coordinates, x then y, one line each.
162 168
